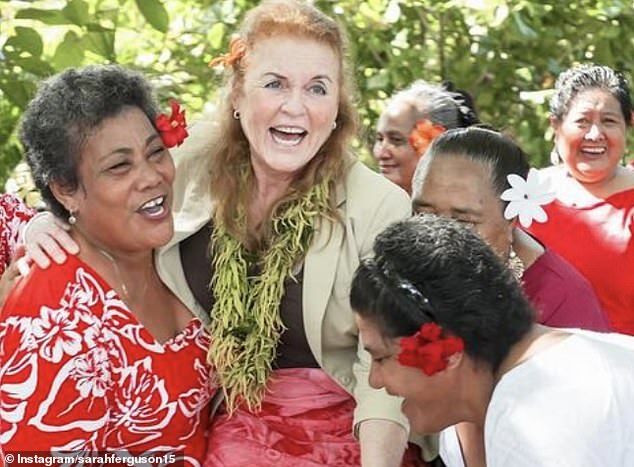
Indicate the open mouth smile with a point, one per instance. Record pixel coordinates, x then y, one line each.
288 136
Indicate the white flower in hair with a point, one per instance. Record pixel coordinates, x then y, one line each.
526 198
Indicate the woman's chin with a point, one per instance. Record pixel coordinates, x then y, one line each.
419 419
409 410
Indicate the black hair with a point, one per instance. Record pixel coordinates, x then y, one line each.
465 103
584 77
442 271
498 153
64 111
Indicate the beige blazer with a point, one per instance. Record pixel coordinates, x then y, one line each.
367 203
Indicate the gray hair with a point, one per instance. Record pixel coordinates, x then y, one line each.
442 107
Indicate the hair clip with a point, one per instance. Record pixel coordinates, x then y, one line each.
237 50
173 129
412 292
526 198
423 134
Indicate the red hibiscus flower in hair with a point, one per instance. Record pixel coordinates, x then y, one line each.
173 129
429 349
423 134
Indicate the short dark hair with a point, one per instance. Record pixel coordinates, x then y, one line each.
470 292
498 153
584 77
65 109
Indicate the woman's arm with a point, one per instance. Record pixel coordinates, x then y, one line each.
380 426
382 442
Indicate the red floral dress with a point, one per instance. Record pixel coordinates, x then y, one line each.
79 375
13 217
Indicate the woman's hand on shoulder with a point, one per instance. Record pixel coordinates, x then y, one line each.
46 237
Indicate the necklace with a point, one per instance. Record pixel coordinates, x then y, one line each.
125 290
117 271
245 320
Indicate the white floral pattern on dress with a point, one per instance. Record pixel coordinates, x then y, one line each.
92 373
85 376
56 334
14 215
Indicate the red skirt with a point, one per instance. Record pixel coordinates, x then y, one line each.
305 421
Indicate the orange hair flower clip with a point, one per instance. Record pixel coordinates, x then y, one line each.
423 134
237 50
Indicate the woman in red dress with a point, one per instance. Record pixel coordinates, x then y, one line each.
591 221
97 355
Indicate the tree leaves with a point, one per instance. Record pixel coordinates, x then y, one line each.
154 12
70 52
25 40
77 12
52 17
506 54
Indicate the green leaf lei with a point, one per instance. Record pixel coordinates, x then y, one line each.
245 318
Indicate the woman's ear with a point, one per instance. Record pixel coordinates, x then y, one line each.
235 95
554 123
66 196
454 360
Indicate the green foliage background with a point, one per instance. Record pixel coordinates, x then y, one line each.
505 53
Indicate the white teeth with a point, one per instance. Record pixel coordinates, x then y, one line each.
284 142
153 203
290 129
594 150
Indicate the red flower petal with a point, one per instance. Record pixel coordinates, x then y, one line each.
173 128
430 331
163 122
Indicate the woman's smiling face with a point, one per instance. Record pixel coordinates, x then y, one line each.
590 137
397 159
288 101
428 400
124 198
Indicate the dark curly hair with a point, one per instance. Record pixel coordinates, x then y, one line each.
584 77
429 268
65 109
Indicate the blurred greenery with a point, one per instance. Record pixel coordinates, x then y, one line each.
507 54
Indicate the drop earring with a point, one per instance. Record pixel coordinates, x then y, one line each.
515 264
72 220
